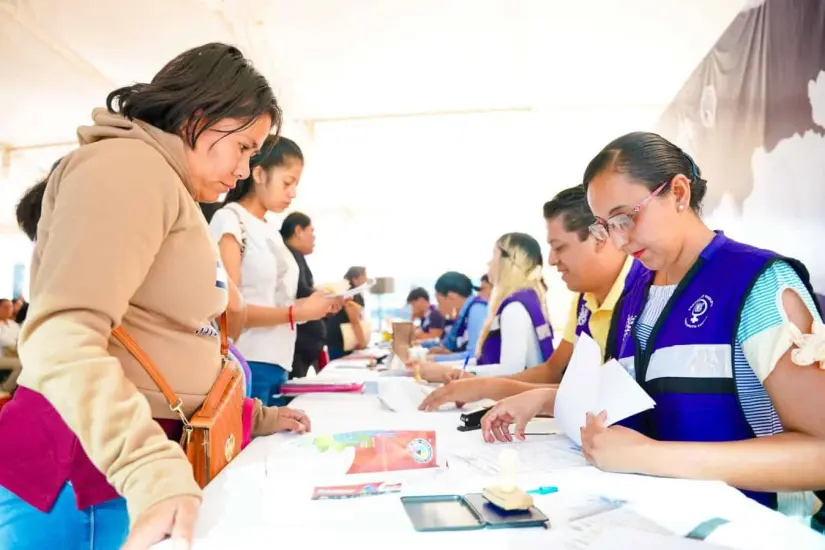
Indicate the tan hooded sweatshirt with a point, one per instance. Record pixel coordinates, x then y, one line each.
121 240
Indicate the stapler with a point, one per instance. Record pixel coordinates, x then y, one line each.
472 420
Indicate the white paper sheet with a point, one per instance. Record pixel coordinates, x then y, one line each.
402 394
354 291
579 389
587 386
585 534
537 454
625 538
619 394
540 426
347 363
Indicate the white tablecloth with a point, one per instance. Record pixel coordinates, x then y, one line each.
262 499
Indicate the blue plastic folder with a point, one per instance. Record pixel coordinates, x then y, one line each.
462 513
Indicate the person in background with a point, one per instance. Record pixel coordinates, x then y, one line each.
21 308
120 240
351 314
517 333
485 290
9 329
454 294
431 320
266 273
725 337
595 270
299 236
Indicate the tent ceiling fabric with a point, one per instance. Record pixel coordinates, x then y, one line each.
360 58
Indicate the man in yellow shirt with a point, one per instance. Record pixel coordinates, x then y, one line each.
595 270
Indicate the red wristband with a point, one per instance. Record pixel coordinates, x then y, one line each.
291 318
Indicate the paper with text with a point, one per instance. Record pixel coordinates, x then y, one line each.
587 386
538 454
627 538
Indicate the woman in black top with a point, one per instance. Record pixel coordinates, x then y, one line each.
352 314
299 236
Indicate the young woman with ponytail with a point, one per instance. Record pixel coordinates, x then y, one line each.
264 270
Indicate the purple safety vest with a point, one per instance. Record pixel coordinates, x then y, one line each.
491 349
688 364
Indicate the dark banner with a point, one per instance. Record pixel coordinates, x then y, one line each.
753 116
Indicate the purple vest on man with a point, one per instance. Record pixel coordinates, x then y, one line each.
491 349
425 321
636 270
688 364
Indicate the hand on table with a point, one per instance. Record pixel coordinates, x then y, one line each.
292 420
172 518
613 449
431 372
461 391
518 410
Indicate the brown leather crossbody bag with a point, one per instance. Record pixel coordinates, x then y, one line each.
212 436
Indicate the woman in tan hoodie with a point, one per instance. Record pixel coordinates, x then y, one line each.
121 240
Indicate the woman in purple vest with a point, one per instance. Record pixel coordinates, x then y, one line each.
517 333
725 337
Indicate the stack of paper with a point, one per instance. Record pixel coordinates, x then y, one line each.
590 387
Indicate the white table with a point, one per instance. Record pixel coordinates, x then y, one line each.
242 508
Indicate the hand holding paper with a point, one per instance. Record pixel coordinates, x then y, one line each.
589 387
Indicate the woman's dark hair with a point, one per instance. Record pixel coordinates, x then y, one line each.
292 222
196 90
486 279
353 273
30 205
276 151
453 281
651 160
188 96
571 205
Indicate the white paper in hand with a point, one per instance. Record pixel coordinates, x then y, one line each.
579 389
587 386
619 394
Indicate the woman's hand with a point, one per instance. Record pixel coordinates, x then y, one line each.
613 449
518 410
292 420
315 306
431 372
459 392
172 518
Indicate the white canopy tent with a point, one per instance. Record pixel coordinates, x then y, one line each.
489 106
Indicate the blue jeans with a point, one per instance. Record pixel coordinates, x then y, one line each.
23 527
267 380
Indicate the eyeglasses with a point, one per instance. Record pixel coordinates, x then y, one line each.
620 224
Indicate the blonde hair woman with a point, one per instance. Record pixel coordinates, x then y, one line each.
517 333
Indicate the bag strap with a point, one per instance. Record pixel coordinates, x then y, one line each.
231 208
175 402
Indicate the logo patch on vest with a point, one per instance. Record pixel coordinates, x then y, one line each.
698 313
584 316
628 326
